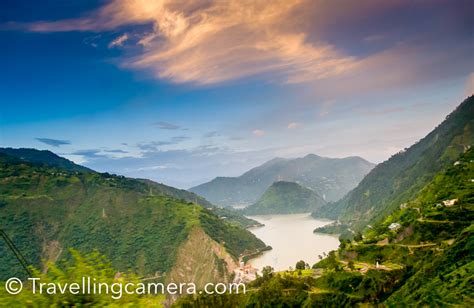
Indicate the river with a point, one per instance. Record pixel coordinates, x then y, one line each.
292 239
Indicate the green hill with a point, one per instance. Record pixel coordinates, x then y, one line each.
139 225
400 178
286 198
421 254
44 157
331 178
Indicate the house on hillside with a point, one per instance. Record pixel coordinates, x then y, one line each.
394 226
450 202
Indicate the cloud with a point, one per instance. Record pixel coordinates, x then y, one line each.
116 151
325 108
373 38
88 154
53 142
259 133
168 126
195 42
293 125
211 134
118 41
178 139
152 168
154 146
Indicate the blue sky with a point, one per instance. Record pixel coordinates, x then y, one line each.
183 93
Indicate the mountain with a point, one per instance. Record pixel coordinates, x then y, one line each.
401 177
48 158
421 254
139 225
331 178
286 198
44 157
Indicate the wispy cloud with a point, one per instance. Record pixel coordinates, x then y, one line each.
53 142
155 146
293 125
168 126
259 133
211 134
88 154
118 41
116 151
196 41
152 168
374 38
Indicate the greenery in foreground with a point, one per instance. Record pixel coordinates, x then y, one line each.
428 260
70 271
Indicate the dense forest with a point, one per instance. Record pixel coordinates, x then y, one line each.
138 225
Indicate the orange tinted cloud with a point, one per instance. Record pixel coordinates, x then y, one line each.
207 42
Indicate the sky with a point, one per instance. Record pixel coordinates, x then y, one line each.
183 91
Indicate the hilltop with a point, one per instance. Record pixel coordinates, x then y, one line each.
286 198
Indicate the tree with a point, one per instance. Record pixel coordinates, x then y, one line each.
358 237
343 243
267 272
300 265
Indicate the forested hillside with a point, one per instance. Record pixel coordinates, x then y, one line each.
139 225
400 178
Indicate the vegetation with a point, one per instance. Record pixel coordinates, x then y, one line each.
47 209
72 271
416 251
419 255
286 198
400 178
235 217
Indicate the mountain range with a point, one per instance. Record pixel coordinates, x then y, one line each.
49 205
331 178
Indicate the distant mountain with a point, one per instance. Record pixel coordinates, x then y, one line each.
286 198
331 178
139 225
400 178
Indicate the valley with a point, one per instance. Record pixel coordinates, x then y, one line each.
401 236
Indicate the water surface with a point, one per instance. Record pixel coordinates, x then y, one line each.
292 239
